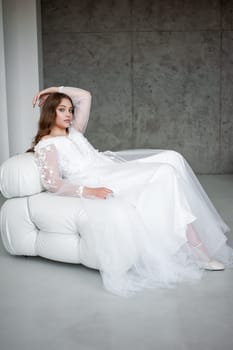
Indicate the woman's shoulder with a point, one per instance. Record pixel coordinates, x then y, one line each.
49 141
46 137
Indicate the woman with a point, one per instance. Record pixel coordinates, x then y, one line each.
153 224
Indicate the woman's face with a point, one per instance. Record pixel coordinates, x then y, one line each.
64 114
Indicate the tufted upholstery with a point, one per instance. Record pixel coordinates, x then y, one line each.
34 222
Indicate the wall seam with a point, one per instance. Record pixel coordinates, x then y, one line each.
133 127
136 31
220 92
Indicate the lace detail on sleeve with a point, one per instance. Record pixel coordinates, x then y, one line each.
82 105
47 162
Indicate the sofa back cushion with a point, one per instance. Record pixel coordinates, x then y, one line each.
19 176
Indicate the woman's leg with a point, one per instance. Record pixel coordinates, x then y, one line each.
200 250
168 157
195 241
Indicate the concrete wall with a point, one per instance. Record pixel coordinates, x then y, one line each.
160 73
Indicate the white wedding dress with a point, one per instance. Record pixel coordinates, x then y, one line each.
140 231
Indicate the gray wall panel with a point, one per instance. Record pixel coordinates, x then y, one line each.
86 15
176 94
176 15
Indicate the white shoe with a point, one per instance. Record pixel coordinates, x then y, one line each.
212 265
204 261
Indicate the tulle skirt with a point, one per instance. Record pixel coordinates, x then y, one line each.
140 232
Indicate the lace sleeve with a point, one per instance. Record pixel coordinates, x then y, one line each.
47 162
82 105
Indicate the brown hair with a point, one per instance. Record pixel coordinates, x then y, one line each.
48 116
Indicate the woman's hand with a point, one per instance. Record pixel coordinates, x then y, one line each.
42 95
99 192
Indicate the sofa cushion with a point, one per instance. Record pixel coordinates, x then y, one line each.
19 176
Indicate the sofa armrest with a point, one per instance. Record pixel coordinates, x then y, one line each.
19 176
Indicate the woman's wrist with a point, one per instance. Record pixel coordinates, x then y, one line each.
79 191
43 94
87 192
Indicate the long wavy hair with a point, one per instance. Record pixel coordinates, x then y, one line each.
48 116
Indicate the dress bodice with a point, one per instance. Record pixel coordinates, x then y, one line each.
75 154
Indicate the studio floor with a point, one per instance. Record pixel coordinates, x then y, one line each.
56 306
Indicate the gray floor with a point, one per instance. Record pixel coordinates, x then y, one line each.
51 305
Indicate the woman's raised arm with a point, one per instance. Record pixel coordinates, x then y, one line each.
82 106
81 100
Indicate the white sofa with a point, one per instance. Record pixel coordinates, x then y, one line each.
34 222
